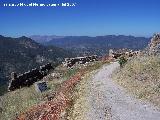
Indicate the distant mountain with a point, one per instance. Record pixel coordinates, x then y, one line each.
45 38
98 45
22 54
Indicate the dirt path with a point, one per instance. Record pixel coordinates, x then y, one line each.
106 100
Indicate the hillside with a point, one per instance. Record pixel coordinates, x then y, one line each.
140 76
22 54
99 97
26 102
95 45
89 92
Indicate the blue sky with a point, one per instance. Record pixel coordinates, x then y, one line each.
89 17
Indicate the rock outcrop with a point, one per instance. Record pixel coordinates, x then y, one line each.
154 46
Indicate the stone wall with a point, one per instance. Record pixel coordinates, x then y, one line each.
70 62
28 78
123 52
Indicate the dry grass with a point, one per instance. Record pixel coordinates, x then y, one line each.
18 101
79 106
141 77
53 109
13 103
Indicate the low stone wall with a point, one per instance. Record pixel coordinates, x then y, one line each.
69 62
123 52
28 78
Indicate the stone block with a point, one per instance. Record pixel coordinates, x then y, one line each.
41 86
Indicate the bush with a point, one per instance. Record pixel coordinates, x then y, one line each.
122 61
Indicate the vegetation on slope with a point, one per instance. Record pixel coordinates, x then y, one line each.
18 101
141 77
23 54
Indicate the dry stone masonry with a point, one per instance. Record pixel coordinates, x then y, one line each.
28 78
123 52
70 62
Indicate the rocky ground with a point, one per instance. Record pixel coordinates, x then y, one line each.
100 98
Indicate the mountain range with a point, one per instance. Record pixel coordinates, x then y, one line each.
24 53
82 45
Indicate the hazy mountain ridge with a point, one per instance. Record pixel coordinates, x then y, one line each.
44 38
99 44
22 54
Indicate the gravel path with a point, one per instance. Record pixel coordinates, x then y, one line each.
109 101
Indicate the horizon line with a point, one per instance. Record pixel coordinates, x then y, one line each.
49 35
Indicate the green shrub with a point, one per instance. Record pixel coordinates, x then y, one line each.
122 61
